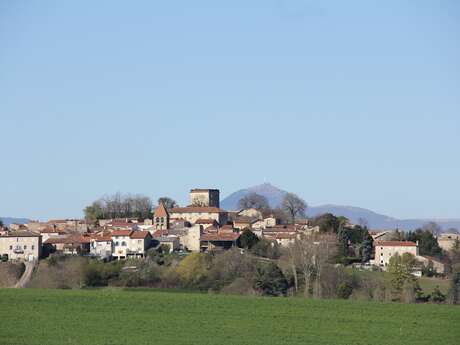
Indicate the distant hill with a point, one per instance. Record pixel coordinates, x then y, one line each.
9 220
273 194
375 220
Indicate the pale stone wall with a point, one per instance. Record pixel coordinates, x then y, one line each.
193 217
21 247
191 239
384 253
101 248
207 198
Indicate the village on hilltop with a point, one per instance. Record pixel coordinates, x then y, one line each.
200 227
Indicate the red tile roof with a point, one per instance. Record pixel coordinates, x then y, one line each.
52 231
160 233
219 236
140 234
205 221
395 244
161 211
196 209
121 224
21 233
69 240
121 232
104 238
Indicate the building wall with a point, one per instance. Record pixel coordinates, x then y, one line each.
21 248
191 239
221 217
120 246
161 223
208 198
101 249
384 253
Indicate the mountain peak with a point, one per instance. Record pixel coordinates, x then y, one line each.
273 194
375 220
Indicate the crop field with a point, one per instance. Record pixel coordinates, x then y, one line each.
115 316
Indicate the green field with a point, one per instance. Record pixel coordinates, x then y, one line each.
113 316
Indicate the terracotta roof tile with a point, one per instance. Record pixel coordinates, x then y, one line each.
161 211
140 234
121 232
196 209
219 236
395 244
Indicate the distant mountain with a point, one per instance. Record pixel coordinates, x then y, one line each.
374 220
273 194
9 220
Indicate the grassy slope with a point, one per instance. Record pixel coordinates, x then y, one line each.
110 316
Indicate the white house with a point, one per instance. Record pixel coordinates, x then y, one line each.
21 245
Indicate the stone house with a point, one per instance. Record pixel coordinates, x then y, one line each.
384 250
130 243
101 246
21 245
192 214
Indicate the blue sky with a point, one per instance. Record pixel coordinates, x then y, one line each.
347 102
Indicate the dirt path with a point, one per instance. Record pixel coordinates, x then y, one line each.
26 275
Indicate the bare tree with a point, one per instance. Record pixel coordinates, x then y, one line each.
254 200
119 206
293 206
168 202
308 255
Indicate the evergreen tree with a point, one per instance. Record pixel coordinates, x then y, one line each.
247 239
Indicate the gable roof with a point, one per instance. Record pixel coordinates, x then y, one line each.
121 232
161 211
21 234
395 244
140 234
196 209
219 236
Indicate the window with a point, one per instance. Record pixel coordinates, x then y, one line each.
108 242
25 246
11 247
117 243
158 219
162 219
123 244
33 246
381 254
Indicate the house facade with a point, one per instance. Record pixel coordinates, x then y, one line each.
101 246
130 243
384 250
192 214
21 245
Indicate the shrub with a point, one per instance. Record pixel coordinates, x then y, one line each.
344 290
437 296
247 239
266 249
192 270
269 280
